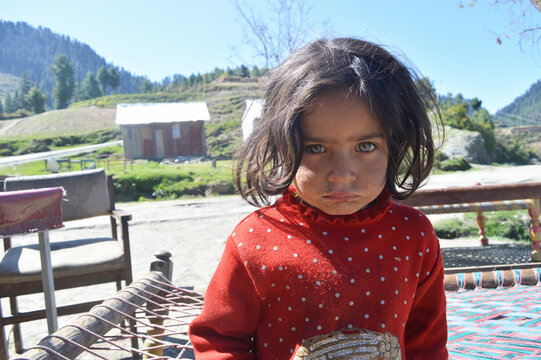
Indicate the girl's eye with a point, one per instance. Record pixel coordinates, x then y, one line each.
315 148
365 147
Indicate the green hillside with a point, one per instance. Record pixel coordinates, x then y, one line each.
524 110
224 97
24 48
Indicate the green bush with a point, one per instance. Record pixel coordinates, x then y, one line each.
97 137
511 224
110 150
515 153
12 147
132 186
455 227
159 181
16 115
34 147
456 164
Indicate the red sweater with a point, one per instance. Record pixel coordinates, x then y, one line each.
290 272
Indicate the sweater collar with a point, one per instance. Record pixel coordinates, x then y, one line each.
292 203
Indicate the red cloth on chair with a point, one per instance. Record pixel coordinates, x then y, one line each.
29 211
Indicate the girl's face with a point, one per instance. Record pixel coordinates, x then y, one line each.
344 163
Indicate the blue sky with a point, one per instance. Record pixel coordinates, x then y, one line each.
455 47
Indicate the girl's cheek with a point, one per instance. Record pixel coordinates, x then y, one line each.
303 176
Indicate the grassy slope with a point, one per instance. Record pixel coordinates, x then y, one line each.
59 122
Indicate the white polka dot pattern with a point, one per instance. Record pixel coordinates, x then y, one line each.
316 277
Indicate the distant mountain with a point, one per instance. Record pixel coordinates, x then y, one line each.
524 110
25 48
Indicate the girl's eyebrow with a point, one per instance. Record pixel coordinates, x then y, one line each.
349 139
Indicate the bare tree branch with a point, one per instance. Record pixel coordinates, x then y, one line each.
288 27
522 13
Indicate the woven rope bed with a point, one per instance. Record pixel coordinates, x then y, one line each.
493 313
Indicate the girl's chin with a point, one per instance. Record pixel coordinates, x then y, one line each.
341 209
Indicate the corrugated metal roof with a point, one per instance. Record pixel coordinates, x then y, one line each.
148 113
252 111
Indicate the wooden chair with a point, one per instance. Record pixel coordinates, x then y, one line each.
75 263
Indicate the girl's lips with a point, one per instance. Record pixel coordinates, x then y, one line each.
340 196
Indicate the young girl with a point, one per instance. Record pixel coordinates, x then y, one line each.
333 269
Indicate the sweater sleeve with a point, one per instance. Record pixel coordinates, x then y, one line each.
226 326
426 328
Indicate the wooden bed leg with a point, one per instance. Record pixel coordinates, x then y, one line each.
535 229
149 345
165 266
481 222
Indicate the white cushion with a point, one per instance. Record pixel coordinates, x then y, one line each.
74 257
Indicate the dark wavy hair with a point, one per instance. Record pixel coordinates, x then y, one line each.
267 162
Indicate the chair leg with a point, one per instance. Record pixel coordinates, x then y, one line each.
17 338
4 354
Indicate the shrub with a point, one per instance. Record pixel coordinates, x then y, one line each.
513 153
456 164
512 224
455 227
34 147
159 181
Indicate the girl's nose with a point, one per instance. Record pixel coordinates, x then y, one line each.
341 170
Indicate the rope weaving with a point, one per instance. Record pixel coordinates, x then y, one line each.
161 313
501 323
492 279
492 314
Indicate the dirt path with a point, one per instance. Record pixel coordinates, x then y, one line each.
6 125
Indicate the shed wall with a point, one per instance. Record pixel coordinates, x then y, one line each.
142 141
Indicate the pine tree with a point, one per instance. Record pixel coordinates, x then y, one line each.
114 79
24 88
475 104
10 105
17 101
244 71
146 86
1 110
192 80
103 78
217 73
36 99
90 88
65 81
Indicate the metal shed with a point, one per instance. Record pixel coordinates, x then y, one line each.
161 130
